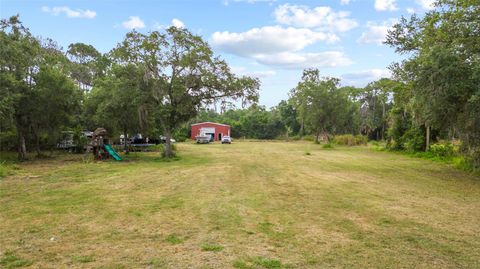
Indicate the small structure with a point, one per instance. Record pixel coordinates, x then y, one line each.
210 129
100 147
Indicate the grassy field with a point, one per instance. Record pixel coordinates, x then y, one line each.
245 205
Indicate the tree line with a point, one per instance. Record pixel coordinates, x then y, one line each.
160 82
149 83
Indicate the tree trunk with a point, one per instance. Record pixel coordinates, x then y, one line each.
168 153
383 121
427 140
302 126
22 148
125 144
37 145
317 134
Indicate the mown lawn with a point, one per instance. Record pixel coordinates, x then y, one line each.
245 205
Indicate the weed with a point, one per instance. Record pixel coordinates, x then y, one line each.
212 247
83 259
174 239
10 260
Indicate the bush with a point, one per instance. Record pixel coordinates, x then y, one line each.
350 140
294 137
442 150
181 138
3 170
461 163
328 146
413 140
308 138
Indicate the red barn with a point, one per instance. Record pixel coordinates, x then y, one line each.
217 130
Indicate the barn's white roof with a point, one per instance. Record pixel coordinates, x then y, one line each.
214 123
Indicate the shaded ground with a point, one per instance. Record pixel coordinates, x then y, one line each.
245 205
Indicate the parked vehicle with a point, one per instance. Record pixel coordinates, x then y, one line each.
163 139
203 139
226 140
74 142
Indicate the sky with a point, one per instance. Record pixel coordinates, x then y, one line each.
273 40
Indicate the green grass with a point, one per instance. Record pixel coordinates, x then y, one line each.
244 205
174 239
83 259
10 260
212 247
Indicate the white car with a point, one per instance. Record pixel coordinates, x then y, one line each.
226 140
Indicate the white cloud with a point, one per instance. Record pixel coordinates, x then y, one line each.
362 78
376 33
299 60
133 22
240 70
410 10
384 5
426 4
226 2
178 23
320 17
345 2
262 74
158 26
70 13
268 40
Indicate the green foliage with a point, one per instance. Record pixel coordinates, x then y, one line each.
11 260
7 166
3 169
350 140
443 70
84 259
413 140
328 146
322 107
258 262
212 247
174 239
183 75
442 150
41 99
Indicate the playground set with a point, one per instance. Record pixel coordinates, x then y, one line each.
100 147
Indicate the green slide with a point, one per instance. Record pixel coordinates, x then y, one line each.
112 152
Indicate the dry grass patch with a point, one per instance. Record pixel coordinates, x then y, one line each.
244 205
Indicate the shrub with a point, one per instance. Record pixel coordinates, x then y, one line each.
212 247
294 137
350 140
442 150
308 138
3 170
181 138
413 140
461 163
328 146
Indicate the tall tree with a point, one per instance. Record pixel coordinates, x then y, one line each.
55 98
288 116
443 68
183 76
19 56
320 103
117 100
86 63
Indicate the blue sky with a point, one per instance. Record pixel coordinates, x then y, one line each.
273 40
